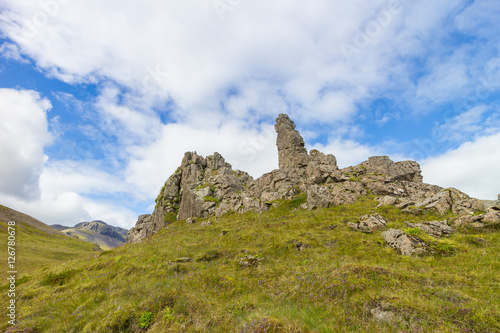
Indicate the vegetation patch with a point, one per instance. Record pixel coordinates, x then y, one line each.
58 279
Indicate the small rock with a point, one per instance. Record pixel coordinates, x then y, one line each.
387 201
183 259
407 245
492 217
250 261
224 232
434 228
369 224
205 223
191 220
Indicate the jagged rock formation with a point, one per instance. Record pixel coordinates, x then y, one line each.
203 187
292 153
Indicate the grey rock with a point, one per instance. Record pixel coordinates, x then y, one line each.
291 148
478 221
387 201
324 196
250 261
492 217
436 229
143 229
369 224
407 245
405 170
451 199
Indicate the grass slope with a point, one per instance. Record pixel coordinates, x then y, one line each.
37 244
313 274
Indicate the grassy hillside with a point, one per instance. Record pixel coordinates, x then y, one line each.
37 244
307 272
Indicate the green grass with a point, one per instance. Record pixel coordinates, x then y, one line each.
36 249
316 275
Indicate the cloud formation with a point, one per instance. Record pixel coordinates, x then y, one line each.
23 136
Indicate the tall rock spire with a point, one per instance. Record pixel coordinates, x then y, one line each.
291 148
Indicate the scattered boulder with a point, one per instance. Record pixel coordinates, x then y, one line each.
383 311
436 229
369 224
387 201
492 217
407 245
478 221
451 199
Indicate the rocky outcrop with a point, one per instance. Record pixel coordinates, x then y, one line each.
143 229
203 187
292 153
491 218
453 200
200 187
436 229
369 224
407 245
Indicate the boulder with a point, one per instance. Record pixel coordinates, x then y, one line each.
451 199
369 224
407 245
383 165
436 229
387 201
479 221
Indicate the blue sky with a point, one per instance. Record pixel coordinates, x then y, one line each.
99 100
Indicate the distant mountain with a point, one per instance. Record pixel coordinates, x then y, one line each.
99 232
37 244
59 227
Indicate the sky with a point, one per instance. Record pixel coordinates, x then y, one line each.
99 100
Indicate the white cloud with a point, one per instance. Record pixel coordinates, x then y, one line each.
247 149
472 168
23 136
12 51
183 51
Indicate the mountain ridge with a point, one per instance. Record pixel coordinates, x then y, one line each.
98 232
